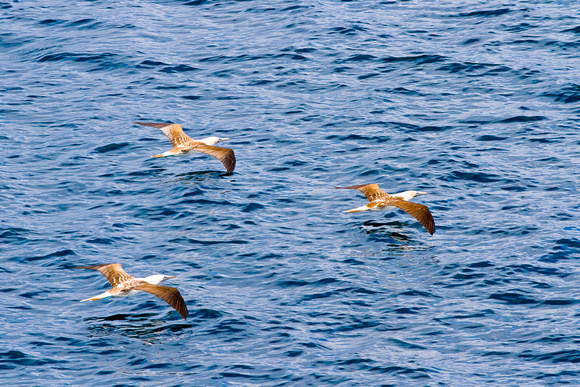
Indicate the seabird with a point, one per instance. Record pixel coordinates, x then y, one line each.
125 285
183 144
380 201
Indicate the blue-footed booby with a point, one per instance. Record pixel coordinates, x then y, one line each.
380 201
183 144
125 285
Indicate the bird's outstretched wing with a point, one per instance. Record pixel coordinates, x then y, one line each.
113 271
173 131
371 191
168 294
225 155
418 211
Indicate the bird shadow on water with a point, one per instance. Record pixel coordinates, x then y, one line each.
198 177
137 326
374 228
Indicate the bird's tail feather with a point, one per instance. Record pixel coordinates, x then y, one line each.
359 209
99 297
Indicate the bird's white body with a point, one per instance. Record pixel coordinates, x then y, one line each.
213 140
207 141
406 196
152 279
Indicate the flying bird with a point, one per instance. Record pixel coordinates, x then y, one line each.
125 285
381 201
183 144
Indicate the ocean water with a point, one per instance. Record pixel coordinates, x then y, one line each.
476 102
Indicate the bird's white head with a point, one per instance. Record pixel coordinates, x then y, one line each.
157 278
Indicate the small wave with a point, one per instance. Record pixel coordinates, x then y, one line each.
567 94
523 119
486 13
56 254
181 68
13 359
418 59
513 298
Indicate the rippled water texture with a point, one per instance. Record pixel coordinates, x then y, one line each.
476 102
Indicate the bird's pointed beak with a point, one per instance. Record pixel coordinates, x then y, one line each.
224 139
170 276
422 193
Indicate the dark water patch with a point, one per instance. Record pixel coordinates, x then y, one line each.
489 137
348 31
147 64
228 327
407 345
181 68
81 22
252 207
262 82
359 58
513 298
56 254
542 140
564 249
567 94
15 235
418 293
405 310
13 359
51 22
401 90
575 30
195 2
417 59
238 375
523 119
533 269
191 97
202 201
231 59
559 302
466 67
111 147
417 128
291 56
469 41
413 373
76 57
479 177
485 13
158 366
207 242
566 356
367 76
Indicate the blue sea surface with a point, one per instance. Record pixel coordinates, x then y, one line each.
475 102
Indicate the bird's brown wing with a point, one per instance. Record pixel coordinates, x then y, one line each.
168 294
173 131
419 211
225 155
371 191
113 271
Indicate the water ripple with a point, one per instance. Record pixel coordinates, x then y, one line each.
282 286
